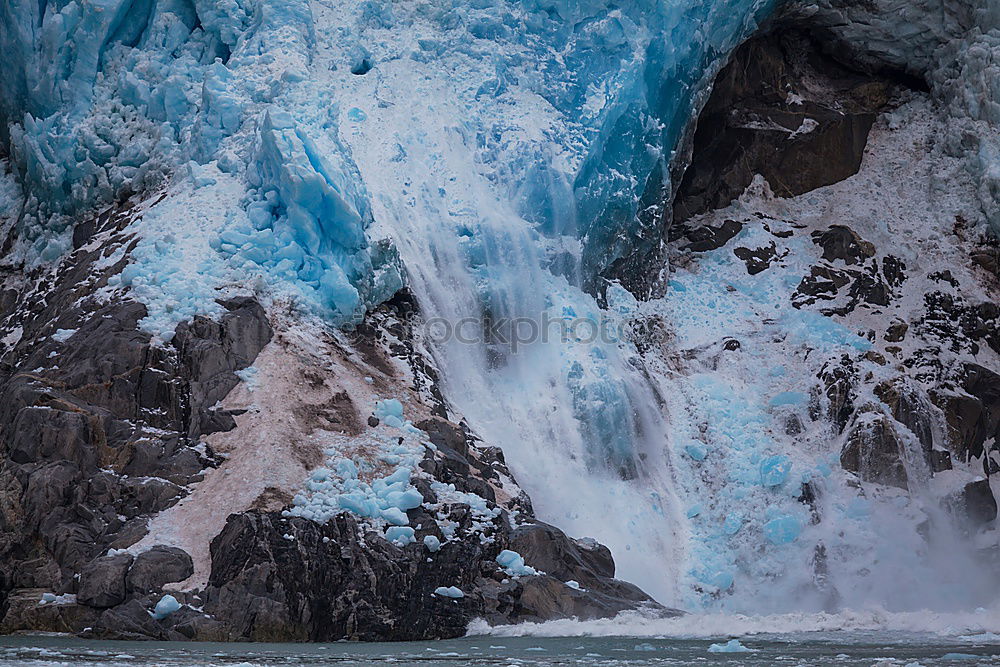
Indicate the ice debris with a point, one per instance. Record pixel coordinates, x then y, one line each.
449 592
513 564
167 605
732 646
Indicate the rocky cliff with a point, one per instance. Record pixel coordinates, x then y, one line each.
223 412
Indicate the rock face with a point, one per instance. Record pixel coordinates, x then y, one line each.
276 578
102 427
781 109
874 451
99 426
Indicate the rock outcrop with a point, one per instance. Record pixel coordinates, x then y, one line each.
781 109
103 427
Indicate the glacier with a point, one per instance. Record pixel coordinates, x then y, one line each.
501 159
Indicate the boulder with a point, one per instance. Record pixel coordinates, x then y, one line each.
158 566
102 581
980 505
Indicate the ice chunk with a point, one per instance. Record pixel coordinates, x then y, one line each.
696 450
167 605
389 407
395 516
449 592
774 470
405 500
47 597
432 543
782 529
732 646
400 535
513 564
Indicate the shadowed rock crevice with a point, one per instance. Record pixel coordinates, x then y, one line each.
783 109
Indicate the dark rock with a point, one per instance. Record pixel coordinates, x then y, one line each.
757 259
972 410
129 621
281 579
988 259
705 238
980 505
25 613
896 331
839 379
911 407
548 549
822 283
94 442
752 125
940 460
842 243
102 581
873 450
158 566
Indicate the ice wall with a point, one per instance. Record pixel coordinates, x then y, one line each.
510 151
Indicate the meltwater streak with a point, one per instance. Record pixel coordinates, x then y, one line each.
573 419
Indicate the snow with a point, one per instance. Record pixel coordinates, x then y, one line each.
449 592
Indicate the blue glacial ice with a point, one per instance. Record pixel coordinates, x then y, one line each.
166 606
507 153
513 564
449 592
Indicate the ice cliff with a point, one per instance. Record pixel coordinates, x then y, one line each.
502 160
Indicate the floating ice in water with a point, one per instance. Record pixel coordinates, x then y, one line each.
449 592
167 605
732 646
644 647
432 543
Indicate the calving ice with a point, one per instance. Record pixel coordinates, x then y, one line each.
237 229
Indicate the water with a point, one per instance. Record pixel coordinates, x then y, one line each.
842 649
